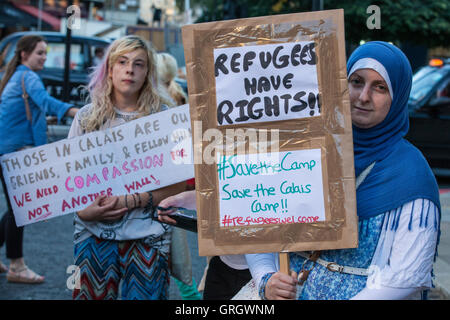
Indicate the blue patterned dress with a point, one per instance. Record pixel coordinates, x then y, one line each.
382 257
323 284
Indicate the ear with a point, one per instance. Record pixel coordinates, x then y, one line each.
23 56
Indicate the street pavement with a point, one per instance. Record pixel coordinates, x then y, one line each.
48 249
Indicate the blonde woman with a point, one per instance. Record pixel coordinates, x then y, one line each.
167 70
116 241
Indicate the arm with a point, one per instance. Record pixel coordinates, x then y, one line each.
185 199
72 112
102 209
281 286
115 207
49 105
403 259
277 286
385 293
260 264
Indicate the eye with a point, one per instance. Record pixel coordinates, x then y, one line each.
356 81
140 64
381 88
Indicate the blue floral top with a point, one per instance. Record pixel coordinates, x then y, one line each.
323 284
397 248
16 130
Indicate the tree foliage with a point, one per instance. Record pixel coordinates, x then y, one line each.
413 21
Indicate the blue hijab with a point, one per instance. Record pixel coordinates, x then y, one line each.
401 173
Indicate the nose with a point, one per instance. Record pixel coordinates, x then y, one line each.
129 68
364 95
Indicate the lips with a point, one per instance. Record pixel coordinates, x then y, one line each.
361 109
129 81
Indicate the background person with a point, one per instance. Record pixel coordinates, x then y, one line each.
99 53
397 203
116 241
22 125
167 71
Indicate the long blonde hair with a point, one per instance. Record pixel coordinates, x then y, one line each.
101 87
167 70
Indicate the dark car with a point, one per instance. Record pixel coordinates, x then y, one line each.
82 52
429 113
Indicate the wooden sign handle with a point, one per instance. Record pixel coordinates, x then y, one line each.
284 262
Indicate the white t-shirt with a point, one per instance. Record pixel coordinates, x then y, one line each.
235 261
133 225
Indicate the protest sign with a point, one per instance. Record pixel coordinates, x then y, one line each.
292 189
285 191
266 82
66 176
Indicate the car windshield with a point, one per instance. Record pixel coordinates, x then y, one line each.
56 56
422 72
424 81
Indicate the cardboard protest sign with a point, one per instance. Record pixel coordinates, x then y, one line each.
292 189
66 176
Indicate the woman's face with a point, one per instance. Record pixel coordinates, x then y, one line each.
129 72
36 59
370 99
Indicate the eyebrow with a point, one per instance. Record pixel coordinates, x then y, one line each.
380 82
354 75
138 59
383 82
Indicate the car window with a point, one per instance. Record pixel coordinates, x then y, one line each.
422 86
444 89
97 53
7 53
422 72
56 53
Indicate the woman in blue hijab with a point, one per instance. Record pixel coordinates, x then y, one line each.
397 199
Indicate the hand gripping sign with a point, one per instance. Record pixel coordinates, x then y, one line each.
66 176
292 189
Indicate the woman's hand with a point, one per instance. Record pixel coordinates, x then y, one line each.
183 200
103 208
281 286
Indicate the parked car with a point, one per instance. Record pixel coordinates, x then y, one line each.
429 113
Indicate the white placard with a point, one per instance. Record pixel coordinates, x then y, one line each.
256 191
65 176
271 82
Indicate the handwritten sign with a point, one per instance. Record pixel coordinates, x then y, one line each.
59 178
254 192
283 74
266 83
